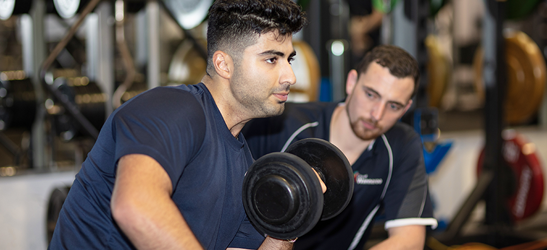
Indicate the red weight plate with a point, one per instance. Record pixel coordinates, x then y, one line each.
521 156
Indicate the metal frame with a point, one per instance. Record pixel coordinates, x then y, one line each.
492 181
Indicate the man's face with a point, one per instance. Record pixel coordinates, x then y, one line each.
263 76
376 101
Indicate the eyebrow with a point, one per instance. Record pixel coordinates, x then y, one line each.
378 94
277 53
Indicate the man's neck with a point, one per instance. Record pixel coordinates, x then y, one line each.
342 136
231 112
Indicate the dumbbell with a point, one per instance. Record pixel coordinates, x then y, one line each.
282 195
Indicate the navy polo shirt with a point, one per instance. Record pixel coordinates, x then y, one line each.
389 175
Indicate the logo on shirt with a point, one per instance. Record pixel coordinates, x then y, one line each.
363 179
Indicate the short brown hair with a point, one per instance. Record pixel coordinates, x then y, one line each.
398 61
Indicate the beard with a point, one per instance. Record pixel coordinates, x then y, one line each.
364 133
254 98
360 131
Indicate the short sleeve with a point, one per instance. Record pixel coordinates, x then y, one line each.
166 124
407 199
247 237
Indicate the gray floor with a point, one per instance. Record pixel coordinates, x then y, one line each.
23 202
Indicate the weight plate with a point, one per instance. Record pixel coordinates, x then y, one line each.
438 72
188 13
522 157
55 203
333 167
282 196
307 72
6 9
17 101
525 77
66 8
187 66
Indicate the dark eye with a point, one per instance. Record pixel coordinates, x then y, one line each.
271 60
395 107
291 60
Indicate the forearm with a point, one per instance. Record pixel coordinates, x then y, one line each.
271 244
403 238
150 230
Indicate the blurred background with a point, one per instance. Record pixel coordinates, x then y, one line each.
481 110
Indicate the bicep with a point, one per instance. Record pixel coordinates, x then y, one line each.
140 178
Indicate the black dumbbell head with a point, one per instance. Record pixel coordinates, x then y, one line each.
333 167
282 196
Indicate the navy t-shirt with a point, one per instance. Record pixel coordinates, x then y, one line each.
183 130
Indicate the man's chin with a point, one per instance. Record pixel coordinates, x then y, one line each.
368 135
278 110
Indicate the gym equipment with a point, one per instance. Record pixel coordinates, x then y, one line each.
188 13
17 100
438 71
86 96
13 7
47 84
67 8
492 184
525 77
307 72
55 203
282 195
187 66
426 124
521 157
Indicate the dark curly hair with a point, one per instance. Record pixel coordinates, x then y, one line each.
398 61
236 24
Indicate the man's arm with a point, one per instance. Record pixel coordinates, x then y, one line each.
142 206
271 244
403 237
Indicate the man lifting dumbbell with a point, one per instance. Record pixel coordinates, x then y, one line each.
385 155
167 169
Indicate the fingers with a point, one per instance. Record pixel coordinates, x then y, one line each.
323 186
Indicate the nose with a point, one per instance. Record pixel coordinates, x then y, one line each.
378 111
287 75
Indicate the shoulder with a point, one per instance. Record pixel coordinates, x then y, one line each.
403 141
171 102
162 112
401 133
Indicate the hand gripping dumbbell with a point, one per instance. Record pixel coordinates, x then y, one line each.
282 195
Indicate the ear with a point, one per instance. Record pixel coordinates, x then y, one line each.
407 106
223 64
351 81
